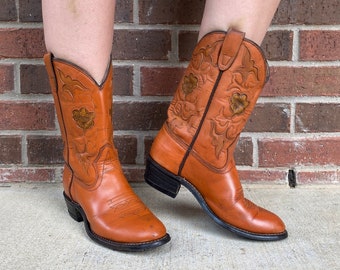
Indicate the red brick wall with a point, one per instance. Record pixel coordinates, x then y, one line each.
295 125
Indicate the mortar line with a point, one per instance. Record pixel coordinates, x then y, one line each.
15 132
299 168
291 137
257 135
301 27
136 83
135 14
185 27
174 54
255 152
17 7
41 98
296 46
305 64
292 117
24 157
17 80
140 149
168 63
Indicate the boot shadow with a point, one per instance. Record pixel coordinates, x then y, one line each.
184 210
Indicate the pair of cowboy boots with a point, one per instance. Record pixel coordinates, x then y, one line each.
194 148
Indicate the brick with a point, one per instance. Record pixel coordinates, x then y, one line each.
244 152
10 149
22 174
318 177
21 43
141 44
171 12
6 78
262 176
34 80
8 11
124 11
278 45
26 116
45 150
127 148
279 120
30 11
307 12
134 174
317 117
158 81
187 41
304 81
139 115
299 152
319 45
123 81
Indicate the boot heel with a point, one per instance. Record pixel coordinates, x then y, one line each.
161 179
72 209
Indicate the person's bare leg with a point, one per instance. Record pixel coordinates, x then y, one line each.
250 16
80 31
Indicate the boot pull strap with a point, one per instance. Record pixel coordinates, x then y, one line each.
230 48
50 71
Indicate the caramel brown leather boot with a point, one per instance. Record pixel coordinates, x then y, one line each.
195 146
95 188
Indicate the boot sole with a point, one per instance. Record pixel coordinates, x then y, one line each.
170 184
78 214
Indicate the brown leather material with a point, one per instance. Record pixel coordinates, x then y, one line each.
93 176
209 110
229 49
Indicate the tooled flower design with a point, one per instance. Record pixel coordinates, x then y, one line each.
70 85
83 118
224 130
204 58
189 83
247 74
238 103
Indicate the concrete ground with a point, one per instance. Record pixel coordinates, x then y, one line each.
37 233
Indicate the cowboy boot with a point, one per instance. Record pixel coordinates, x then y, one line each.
195 146
95 188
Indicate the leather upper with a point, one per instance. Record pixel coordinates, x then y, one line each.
209 110
93 176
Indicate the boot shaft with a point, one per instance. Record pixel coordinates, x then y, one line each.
216 97
84 111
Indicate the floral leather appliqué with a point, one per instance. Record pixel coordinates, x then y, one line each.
83 118
238 103
189 83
